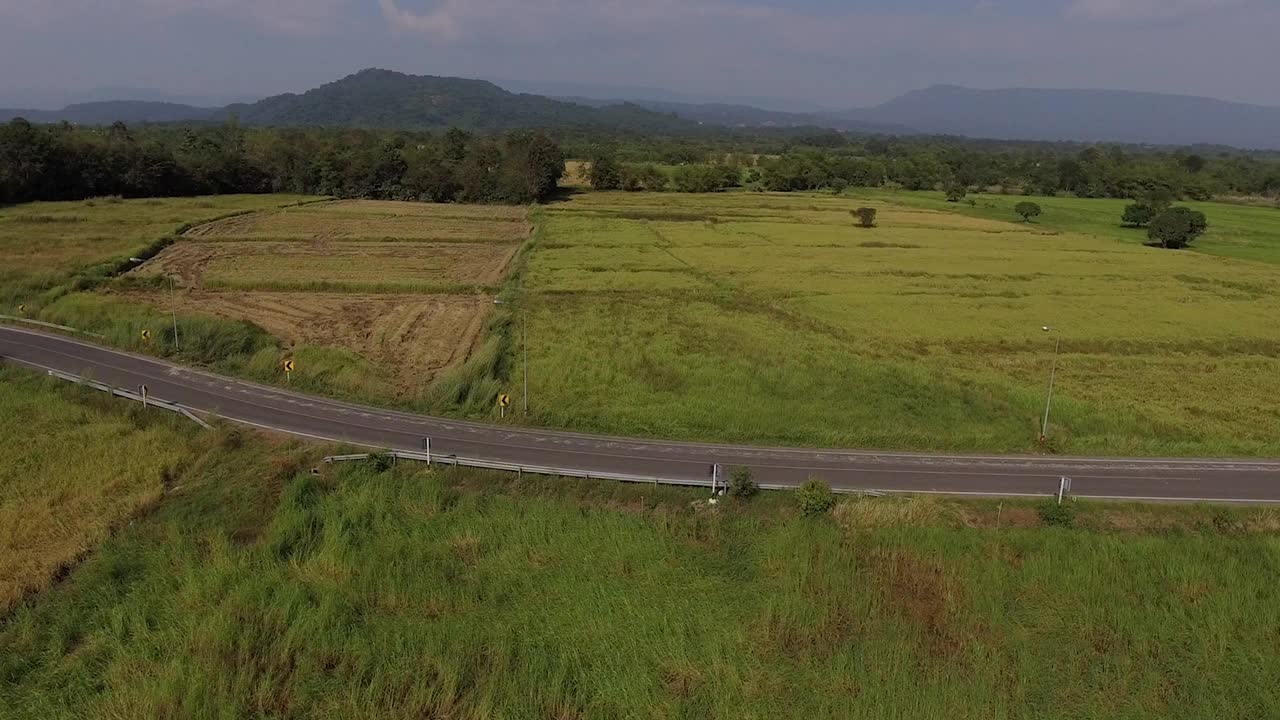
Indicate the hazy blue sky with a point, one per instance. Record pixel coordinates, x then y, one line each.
839 52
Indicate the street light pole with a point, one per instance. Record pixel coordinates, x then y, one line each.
173 305
1053 373
524 333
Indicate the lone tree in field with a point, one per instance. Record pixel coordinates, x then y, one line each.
1150 205
956 193
1138 214
1027 210
866 216
1158 199
602 170
1175 228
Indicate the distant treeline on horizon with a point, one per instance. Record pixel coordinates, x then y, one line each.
65 162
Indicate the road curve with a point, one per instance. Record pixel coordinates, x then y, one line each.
310 416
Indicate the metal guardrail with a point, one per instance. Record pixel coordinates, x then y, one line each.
41 323
521 469
129 395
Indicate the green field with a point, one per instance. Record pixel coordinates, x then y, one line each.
1237 231
254 588
771 318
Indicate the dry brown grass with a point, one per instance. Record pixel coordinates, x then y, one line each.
921 591
417 335
84 468
270 265
873 513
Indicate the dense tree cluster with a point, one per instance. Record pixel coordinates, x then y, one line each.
61 162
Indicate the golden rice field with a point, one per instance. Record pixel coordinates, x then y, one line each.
57 505
774 318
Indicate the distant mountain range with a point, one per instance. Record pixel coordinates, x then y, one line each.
54 98
126 111
596 93
746 116
386 99
1082 115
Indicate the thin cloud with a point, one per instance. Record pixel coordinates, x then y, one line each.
458 19
281 16
1135 10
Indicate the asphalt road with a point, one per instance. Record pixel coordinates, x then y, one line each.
314 417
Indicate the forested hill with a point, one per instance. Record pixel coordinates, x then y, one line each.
381 99
392 100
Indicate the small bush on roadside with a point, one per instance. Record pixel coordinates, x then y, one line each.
232 438
741 483
815 497
1225 521
1055 515
381 462
866 216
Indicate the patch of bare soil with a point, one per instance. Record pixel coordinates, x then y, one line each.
920 590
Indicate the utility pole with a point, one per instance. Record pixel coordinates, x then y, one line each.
1053 372
173 305
524 332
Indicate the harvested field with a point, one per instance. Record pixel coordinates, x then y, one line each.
333 266
407 287
416 335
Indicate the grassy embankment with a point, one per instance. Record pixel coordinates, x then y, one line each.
773 319
254 588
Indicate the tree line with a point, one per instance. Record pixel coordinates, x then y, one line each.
53 162
836 161
63 162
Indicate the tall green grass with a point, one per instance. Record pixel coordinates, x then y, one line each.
261 590
201 339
